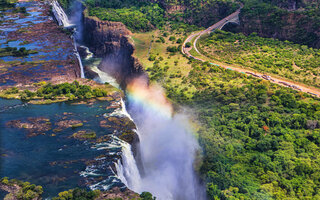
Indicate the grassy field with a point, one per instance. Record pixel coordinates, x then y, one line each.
284 59
167 68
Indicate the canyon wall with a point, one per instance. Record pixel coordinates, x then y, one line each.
110 41
292 26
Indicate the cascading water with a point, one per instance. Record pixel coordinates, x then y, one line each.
127 167
167 147
60 15
63 20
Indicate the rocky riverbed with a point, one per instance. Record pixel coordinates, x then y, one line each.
42 51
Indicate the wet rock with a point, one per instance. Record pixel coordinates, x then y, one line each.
125 128
89 73
54 61
71 123
34 126
104 138
117 193
84 135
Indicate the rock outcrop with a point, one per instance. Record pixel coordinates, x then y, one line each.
110 41
293 26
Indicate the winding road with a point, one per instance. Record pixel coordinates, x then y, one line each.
278 80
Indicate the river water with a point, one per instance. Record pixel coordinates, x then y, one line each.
58 162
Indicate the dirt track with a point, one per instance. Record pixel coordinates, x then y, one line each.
278 80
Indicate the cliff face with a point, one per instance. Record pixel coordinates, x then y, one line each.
293 26
203 14
110 41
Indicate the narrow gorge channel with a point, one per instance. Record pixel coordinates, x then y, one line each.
161 160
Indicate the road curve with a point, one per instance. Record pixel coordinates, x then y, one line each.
279 81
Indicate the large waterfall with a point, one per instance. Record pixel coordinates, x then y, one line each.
63 20
167 147
60 15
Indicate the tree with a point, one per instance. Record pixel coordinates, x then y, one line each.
188 44
147 196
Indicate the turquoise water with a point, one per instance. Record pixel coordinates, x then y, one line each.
58 162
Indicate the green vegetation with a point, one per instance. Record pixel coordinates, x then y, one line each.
76 194
136 16
63 91
70 90
260 140
25 191
13 51
147 196
22 190
83 135
65 3
286 59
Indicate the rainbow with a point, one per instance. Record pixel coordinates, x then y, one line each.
150 97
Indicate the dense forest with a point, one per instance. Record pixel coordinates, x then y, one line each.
148 15
260 140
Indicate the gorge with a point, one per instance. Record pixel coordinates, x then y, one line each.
162 160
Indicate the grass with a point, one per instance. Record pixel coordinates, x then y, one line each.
279 59
178 66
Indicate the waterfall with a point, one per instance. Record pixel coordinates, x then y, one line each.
88 52
63 20
104 77
127 169
167 148
60 15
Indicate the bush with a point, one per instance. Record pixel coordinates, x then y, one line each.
147 196
152 57
172 38
172 49
162 39
188 44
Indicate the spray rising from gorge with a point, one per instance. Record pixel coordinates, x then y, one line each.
164 158
167 146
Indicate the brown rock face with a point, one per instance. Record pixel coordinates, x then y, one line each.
292 26
110 41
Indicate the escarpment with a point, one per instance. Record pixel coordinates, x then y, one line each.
293 26
110 41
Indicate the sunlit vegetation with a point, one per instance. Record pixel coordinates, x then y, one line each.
22 190
260 140
286 59
65 91
137 16
136 19
77 193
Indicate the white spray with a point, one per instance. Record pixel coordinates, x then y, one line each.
60 15
167 147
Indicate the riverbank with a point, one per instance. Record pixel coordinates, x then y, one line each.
45 93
